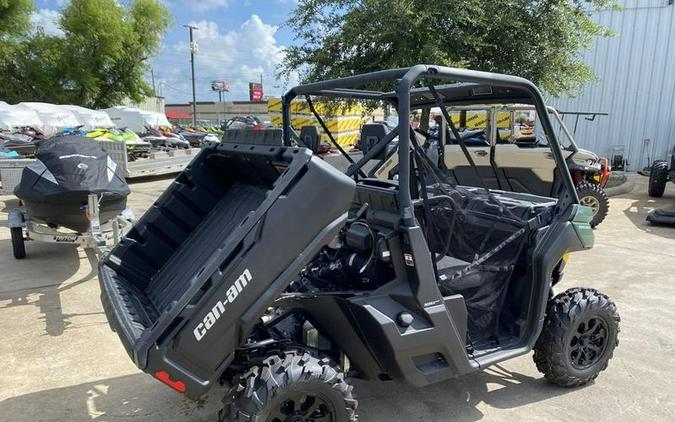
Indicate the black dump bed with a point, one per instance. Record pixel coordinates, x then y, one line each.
188 282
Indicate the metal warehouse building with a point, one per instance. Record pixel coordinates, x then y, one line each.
636 68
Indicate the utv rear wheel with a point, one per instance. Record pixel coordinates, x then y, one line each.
18 245
578 339
658 177
593 196
295 387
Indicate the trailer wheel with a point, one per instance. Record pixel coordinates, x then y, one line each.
658 177
291 387
18 245
579 336
592 195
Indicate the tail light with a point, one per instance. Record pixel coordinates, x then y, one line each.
166 379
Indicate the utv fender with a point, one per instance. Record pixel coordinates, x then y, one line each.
555 241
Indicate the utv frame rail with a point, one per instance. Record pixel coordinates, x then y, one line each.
408 96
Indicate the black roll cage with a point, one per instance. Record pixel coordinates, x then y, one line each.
405 80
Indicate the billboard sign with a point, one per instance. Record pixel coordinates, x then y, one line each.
255 91
220 86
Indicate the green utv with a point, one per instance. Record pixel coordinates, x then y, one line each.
264 269
508 153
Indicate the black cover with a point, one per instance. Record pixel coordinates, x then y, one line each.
662 217
55 187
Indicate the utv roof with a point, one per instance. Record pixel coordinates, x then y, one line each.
498 88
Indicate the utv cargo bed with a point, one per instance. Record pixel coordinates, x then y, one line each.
188 282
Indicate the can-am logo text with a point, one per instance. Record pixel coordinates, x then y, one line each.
219 308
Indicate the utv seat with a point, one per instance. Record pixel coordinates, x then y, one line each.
447 267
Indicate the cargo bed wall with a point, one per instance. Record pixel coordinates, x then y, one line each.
190 279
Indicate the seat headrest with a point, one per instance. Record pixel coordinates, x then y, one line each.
371 134
309 135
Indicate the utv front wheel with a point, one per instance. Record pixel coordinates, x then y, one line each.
578 339
292 388
592 195
658 177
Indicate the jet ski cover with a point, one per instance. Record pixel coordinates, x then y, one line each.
68 168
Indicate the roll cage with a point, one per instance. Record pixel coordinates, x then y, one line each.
414 88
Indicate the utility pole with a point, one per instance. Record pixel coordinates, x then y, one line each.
152 73
193 50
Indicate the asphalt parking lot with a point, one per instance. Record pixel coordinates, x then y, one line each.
59 361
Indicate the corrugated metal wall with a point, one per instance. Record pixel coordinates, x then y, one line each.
636 68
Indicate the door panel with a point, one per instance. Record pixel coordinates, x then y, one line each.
456 161
529 170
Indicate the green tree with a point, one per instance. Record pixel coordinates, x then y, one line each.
536 39
14 18
100 59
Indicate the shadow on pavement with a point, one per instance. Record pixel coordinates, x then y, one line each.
637 213
24 286
142 397
138 397
455 400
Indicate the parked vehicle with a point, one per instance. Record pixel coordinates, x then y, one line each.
196 138
660 175
230 278
159 139
520 161
244 122
136 147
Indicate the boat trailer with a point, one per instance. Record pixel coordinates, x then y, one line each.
100 237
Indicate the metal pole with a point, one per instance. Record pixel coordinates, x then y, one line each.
154 88
192 64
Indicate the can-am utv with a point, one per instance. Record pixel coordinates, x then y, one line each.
265 269
521 159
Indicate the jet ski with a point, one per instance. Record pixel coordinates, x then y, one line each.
68 168
197 136
159 139
21 144
136 147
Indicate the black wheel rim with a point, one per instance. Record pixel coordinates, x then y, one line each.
303 408
588 343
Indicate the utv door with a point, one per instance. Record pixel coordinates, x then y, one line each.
475 136
456 161
528 169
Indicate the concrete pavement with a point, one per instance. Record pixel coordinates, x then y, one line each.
59 361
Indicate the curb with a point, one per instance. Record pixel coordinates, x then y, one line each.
625 187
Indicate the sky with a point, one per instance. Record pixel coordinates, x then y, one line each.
239 41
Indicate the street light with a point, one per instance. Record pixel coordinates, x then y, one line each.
193 51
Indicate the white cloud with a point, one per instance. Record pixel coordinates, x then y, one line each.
238 56
206 5
47 21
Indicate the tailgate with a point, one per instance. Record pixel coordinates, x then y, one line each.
184 288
